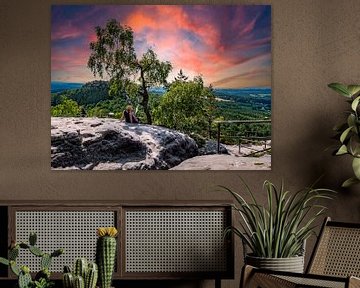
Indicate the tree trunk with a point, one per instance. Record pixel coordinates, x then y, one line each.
145 95
145 104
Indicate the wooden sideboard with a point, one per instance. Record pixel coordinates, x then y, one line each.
157 240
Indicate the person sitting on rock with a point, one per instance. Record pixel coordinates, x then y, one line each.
129 115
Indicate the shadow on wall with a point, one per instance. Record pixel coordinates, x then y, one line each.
333 170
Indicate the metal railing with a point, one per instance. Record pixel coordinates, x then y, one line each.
240 138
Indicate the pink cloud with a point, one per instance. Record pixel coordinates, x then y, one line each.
65 33
170 39
68 59
248 27
193 38
146 17
208 55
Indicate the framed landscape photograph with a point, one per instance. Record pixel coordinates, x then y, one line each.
161 87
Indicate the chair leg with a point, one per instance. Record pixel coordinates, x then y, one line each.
263 280
217 283
246 274
250 278
354 282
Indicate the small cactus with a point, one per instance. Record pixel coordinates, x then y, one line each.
25 269
91 276
44 273
32 239
106 254
68 280
13 253
67 269
80 268
14 268
4 261
57 252
24 280
79 282
45 261
89 272
23 273
36 251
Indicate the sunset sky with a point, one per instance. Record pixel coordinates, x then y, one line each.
230 46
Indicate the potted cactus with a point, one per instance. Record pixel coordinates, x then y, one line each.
106 254
84 275
42 278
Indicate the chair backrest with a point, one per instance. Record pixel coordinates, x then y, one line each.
337 251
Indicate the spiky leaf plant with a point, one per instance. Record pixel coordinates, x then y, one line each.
279 229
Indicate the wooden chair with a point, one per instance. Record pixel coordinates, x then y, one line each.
335 262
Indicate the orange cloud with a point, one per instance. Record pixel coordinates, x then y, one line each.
66 60
200 39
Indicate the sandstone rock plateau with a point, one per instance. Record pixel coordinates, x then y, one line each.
108 144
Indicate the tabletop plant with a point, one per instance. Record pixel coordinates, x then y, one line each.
106 254
279 228
84 275
42 278
349 132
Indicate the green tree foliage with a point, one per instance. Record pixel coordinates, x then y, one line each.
66 108
113 54
91 93
187 106
242 106
104 108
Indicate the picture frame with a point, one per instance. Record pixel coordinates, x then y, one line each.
161 87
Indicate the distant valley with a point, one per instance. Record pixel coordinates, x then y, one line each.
93 99
57 87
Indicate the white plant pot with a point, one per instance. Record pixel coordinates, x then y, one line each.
291 264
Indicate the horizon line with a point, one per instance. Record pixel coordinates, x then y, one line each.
245 87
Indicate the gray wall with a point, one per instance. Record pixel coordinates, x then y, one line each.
315 42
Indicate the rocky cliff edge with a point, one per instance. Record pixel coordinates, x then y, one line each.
109 144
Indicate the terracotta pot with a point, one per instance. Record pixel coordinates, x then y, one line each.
291 264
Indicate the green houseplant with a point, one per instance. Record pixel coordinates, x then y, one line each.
279 229
42 278
349 132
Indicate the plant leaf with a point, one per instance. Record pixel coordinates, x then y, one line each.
349 182
351 120
4 261
340 88
354 145
14 268
345 134
356 167
353 89
355 103
342 150
279 228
